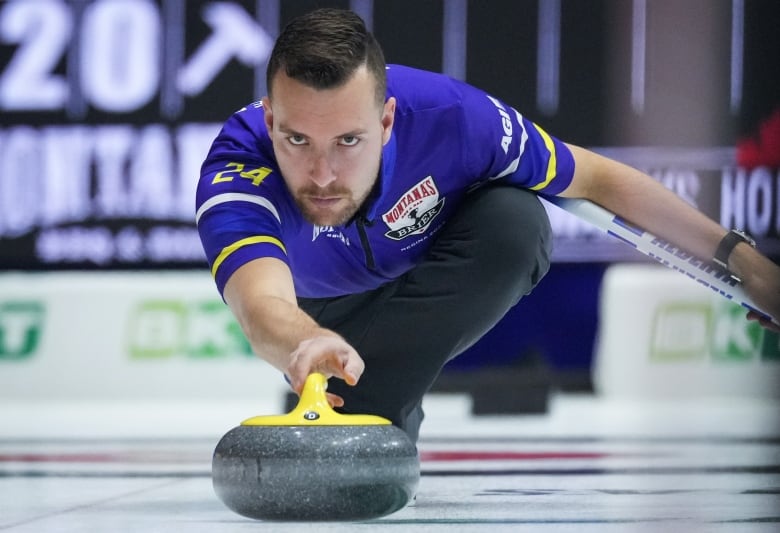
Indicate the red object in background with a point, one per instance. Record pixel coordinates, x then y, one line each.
762 150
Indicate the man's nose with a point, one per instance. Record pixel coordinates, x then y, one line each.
321 172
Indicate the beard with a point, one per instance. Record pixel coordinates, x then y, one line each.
330 206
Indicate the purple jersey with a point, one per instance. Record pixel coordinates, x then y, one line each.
448 138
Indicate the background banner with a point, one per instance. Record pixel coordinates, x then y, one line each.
108 106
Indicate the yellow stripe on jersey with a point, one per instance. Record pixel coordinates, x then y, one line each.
551 163
227 250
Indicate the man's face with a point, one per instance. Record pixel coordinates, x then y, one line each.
328 143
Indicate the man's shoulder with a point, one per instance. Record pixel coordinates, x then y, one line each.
248 121
244 136
419 90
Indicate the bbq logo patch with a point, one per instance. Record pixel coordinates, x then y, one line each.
414 211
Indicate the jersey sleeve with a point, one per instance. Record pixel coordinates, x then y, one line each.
502 144
237 203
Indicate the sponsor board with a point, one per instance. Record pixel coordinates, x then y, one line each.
662 337
125 336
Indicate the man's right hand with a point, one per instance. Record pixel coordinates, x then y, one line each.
261 295
329 355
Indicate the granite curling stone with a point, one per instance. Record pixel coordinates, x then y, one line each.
314 464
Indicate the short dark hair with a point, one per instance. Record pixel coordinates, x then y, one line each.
322 49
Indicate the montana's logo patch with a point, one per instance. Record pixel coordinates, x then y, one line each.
414 211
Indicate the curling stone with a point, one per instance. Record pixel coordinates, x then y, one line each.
315 464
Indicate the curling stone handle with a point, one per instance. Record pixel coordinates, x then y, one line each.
313 398
313 409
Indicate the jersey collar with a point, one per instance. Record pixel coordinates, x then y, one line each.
386 175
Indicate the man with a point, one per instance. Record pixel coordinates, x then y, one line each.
371 223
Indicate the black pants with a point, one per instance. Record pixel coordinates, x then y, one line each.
494 251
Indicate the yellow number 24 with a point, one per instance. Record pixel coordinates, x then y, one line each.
257 175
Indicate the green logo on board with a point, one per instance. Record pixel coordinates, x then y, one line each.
733 338
684 331
200 329
21 328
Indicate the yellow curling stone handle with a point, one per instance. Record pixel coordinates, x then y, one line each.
313 409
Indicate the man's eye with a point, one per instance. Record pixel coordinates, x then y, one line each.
349 140
297 140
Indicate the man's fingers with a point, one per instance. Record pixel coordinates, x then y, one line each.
353 369
297 375
765 322
328 355
335 400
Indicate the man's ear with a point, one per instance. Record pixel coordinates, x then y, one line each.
388 118
268 114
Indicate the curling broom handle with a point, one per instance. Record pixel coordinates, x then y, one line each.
660 250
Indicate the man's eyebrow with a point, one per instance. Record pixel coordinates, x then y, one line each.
285 129
353 133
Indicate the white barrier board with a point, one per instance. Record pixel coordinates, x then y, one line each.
125 336
663 335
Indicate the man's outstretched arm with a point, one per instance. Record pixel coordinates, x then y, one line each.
643 201
261 295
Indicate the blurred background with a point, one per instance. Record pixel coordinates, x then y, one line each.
107 108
